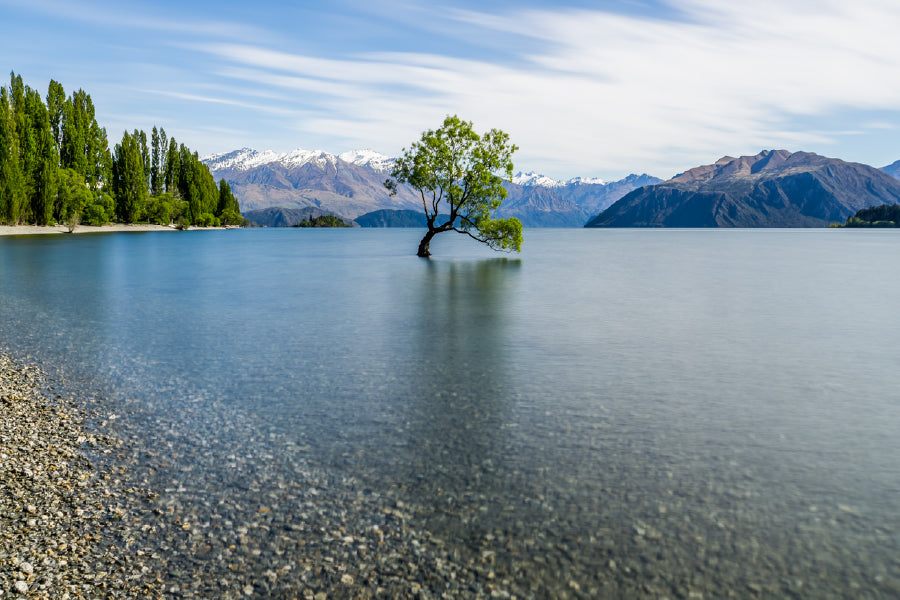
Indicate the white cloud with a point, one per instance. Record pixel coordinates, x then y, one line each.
614 92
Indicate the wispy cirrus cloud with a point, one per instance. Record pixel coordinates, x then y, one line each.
609 91
581 91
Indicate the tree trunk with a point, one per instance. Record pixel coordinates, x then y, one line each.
424 250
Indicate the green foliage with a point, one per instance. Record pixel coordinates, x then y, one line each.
323 221
229 210
129 183
56 100
42 160
164 209
173 166
72 197
82 143
456 167
56 165
886 215
206 220
12 178
156 182
100 211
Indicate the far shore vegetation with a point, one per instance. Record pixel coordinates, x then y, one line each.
322 221
886 215
56 167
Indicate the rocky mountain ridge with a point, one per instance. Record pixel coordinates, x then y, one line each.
774 188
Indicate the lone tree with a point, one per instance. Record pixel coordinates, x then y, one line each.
456 166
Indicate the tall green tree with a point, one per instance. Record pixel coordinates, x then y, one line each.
173 168
25 135
163 158
228 211
129 182
101 160
12 179
75 146
56 101
44 160
141 136
155 152
460 173
84 146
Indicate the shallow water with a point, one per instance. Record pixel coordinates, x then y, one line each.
678 413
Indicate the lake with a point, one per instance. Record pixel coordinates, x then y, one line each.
612 413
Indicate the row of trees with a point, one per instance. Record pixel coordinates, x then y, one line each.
56 166
886 215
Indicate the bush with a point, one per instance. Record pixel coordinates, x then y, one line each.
100 211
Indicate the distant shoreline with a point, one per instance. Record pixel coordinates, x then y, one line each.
57 229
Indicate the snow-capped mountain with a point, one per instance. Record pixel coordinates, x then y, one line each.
369 158
585 181
535 179
348 185
351 184
240 160
248 158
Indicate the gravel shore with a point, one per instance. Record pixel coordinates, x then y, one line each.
61 520
111 228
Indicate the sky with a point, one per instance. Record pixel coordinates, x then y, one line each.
592 89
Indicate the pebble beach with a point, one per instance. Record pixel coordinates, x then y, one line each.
61 519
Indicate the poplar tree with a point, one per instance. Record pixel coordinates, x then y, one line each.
129 182
228 209
100 173
163 158
141 137
12 180
44 160
155 181
75 148
56 100
173 168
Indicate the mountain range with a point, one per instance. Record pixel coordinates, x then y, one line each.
775 188
893 169
350 185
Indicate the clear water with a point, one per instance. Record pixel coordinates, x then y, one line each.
612 412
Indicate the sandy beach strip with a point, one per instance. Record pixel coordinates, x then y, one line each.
57 229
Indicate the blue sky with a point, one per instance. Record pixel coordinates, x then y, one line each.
598 89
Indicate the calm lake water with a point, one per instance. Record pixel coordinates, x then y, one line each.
666 413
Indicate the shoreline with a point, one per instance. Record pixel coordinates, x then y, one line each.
9 230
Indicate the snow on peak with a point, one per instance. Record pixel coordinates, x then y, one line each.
532 178
586 181
248 158
242 160
368 158
300 157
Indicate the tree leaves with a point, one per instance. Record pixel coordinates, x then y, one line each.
454 166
